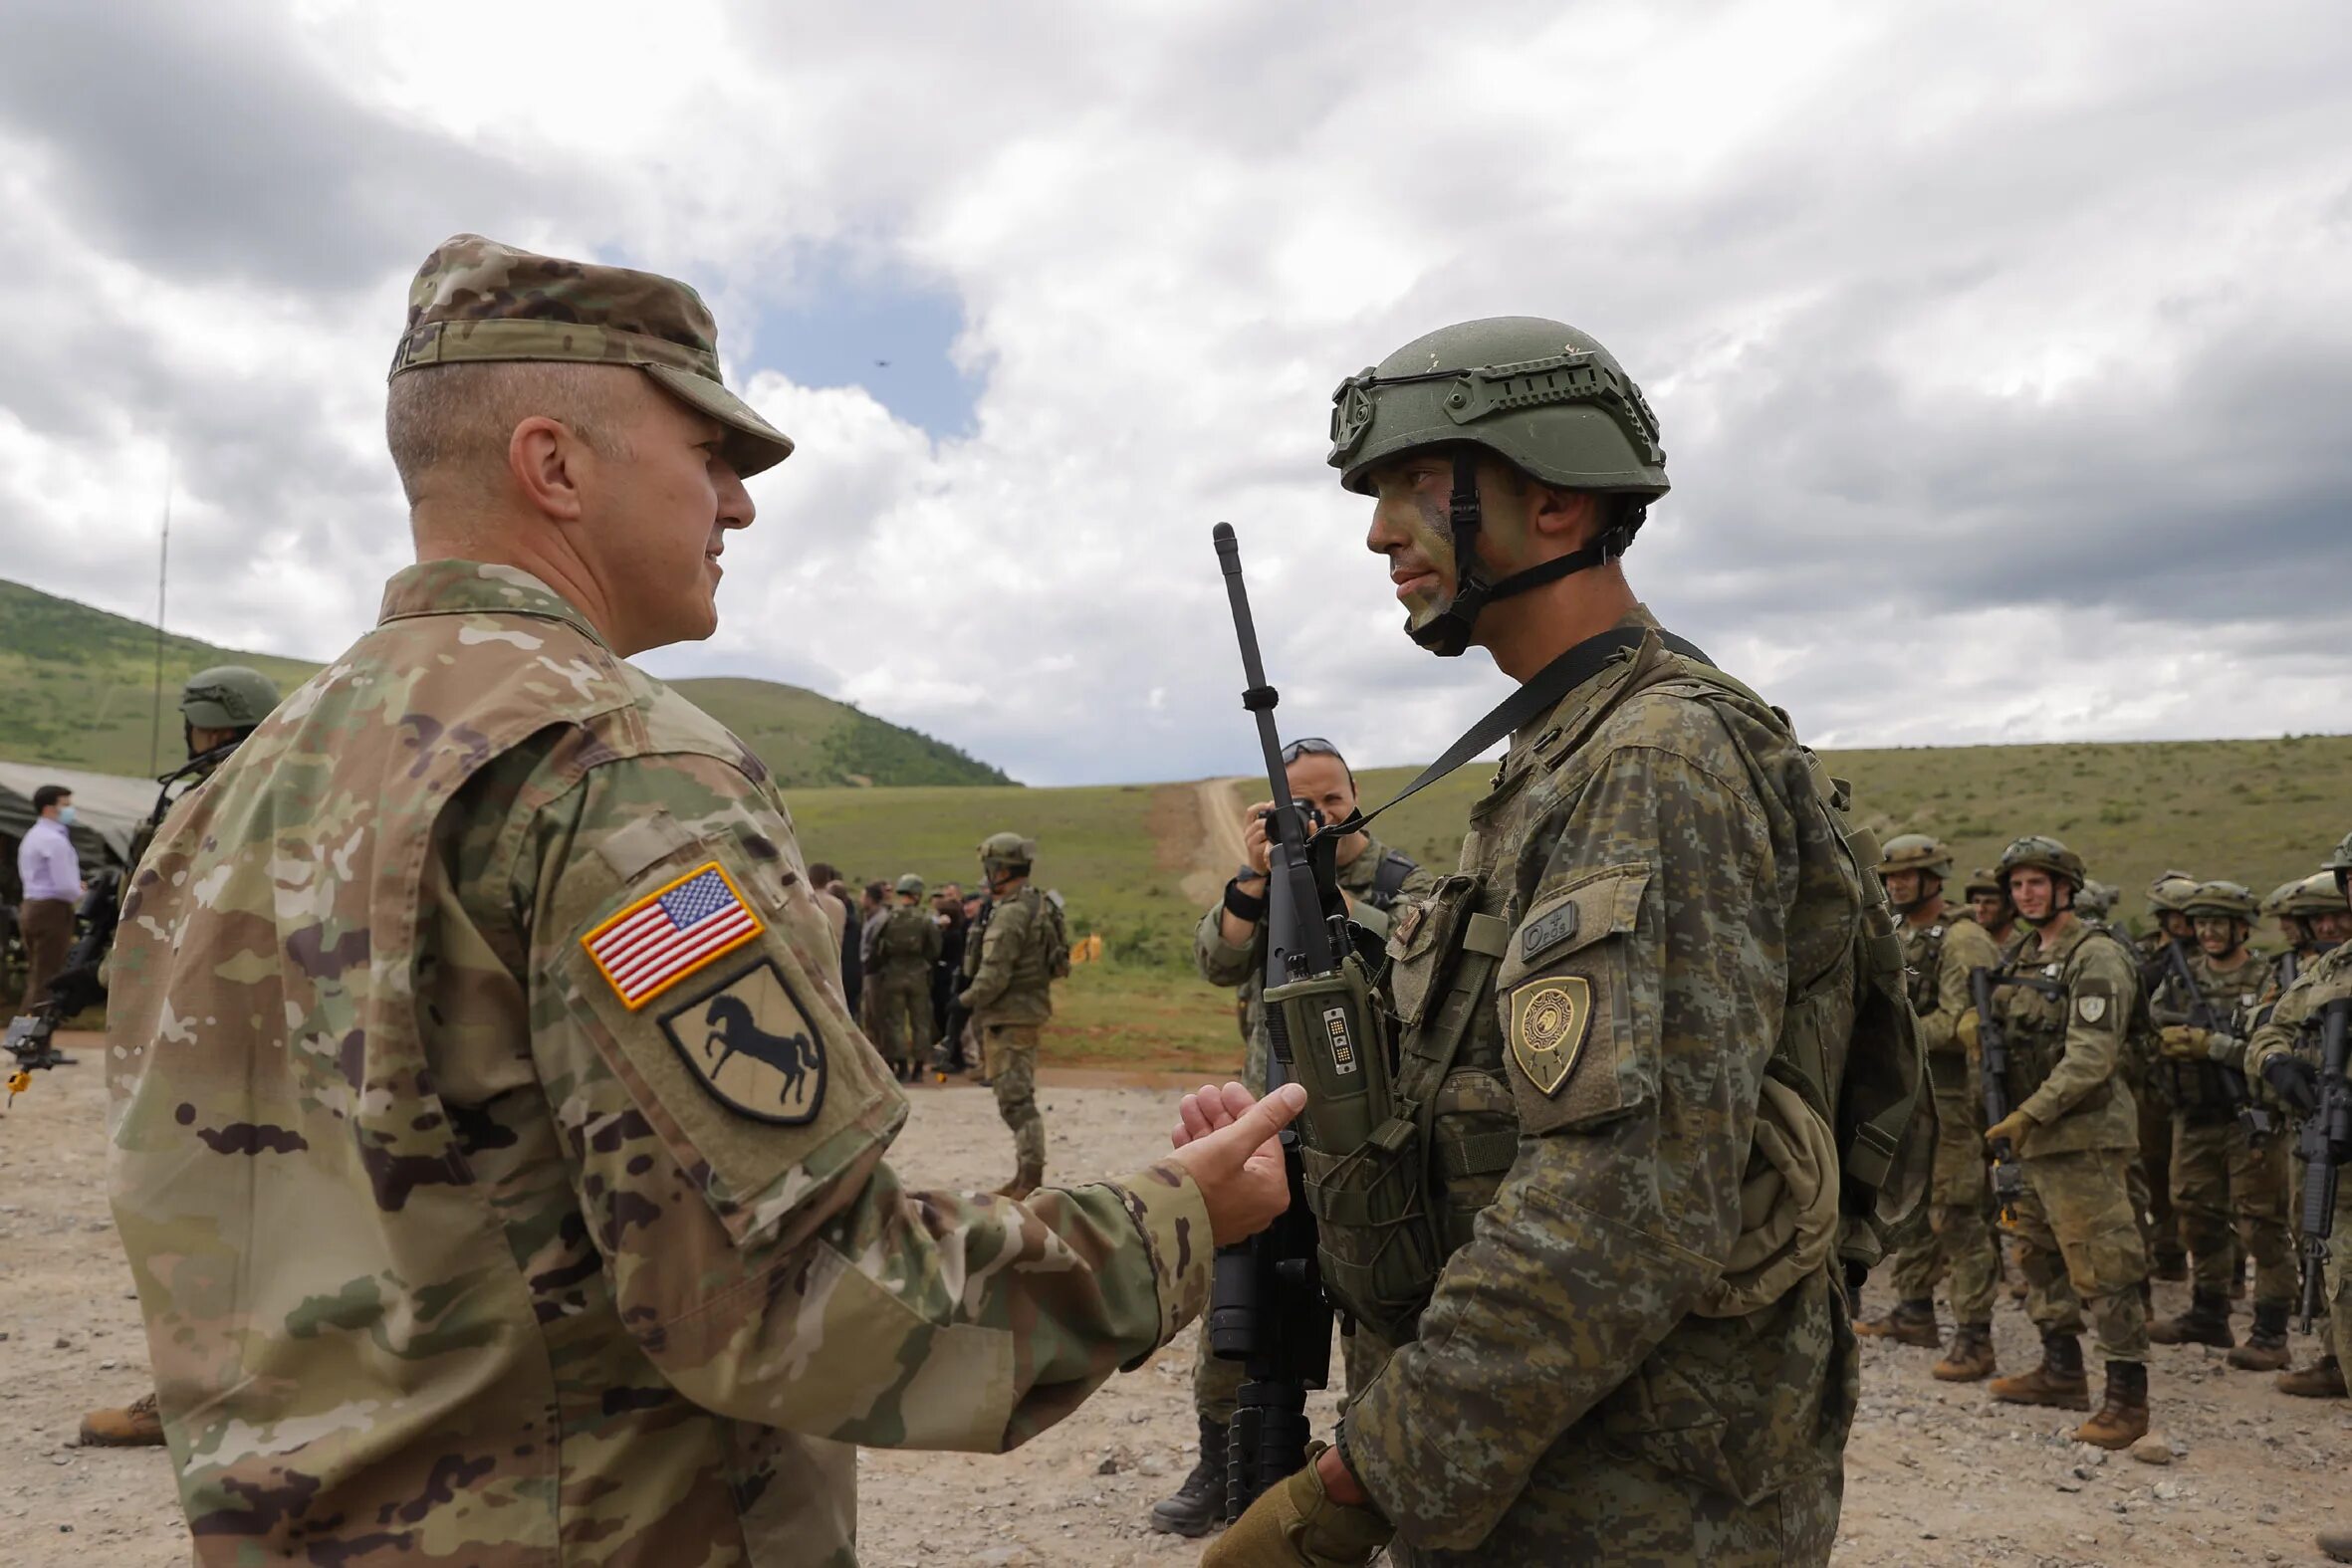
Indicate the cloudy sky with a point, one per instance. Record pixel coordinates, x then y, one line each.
2004 352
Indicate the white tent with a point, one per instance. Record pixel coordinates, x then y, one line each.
108 809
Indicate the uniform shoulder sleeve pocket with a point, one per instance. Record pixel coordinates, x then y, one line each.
703 985
1579 1042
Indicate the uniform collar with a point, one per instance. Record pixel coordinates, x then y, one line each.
472 588
2057 953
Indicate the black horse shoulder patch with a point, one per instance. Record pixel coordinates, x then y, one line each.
751 1044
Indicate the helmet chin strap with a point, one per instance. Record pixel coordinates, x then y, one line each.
1447 634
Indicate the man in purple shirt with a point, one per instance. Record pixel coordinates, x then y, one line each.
52 875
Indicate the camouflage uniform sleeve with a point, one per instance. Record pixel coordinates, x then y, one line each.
1220 962
2099 999
1665 995
2280 1033
724 1140
1000 949
1967 947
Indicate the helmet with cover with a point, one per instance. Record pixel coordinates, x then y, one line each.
2041 852
1915 852
1982 882
1537 393
2231 900
2096 901
2170 891
227 697
911 886
2340 863
2316 894
1007 854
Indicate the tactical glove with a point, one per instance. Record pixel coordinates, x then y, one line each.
2180 1042
2294 1082
2010 1129
1296 1524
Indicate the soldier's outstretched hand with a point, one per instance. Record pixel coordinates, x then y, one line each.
1226 1143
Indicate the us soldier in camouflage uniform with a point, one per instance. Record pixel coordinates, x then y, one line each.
2284 1056
1941 947
1009 968
1989 902
1229 949
903 949
2160 1231
500 1170
2224 1187
1606 1371
2066 1005
218 709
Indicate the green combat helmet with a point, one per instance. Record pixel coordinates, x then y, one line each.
1540 396
2273 902
2043 854
2096 901
2232 900
1983 880
1917 852
227 697
911 883
2170 891
2317 894
1007 854
2340 863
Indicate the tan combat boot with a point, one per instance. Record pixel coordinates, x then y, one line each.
1025 1181
2264 1349
137 1425
1969 1360
1909 1323
2323 1379
2058 1381
2207 1323
2123 1414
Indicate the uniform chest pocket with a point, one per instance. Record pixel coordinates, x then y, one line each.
1423 942
1580 1040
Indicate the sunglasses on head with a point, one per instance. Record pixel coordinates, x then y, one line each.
1306 745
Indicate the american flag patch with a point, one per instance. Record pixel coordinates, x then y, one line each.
670 933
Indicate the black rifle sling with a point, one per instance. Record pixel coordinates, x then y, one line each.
1536 698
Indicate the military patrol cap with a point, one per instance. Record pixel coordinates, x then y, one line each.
227 697
2169 889
2043 854
1915 852
476 301
2233 899
1537 394
911 883
2316 894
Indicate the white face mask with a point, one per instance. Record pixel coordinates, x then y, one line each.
65 815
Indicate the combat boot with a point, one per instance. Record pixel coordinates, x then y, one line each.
2264 1349
2123 1414
2337 1545
2060 1379
2207 1323
2323 1379
1198 1505
1025 1181
137 1425
1909 1323
1969 1360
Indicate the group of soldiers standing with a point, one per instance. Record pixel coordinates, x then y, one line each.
2148 1077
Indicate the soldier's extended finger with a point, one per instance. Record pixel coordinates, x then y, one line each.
1192 1121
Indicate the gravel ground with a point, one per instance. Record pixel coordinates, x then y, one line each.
1936 1474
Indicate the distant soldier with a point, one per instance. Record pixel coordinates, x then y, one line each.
2066 1005
1229 949
2168 1255
1942 945
1009 968
903 947
218 709
2226 1187
2098 901
1989 902
2284 1056
502 1174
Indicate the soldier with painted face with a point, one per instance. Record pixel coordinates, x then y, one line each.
904 946
2065 1002
1011 961
501 1172
2226 1185
2284 1059
1229 949
1942 945
1630 1179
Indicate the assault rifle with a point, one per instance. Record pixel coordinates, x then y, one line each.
1992 1049
1266 1304
2202 1015
76 987
2326 1145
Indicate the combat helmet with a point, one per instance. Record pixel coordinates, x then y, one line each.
911 884
1982 880
2169 890
1915 852
2340 863
1540 394
2042 853
2234 900
227 697
1006 854
2316 894
2096 901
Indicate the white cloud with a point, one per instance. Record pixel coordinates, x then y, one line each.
2001 351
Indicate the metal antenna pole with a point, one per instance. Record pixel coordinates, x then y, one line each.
162 581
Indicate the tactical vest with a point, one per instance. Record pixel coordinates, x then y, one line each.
2196 1086
2036 1022
1393 1209
899 944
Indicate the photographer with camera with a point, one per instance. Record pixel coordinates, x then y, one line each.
1230 950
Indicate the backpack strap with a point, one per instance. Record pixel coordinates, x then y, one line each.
1388 879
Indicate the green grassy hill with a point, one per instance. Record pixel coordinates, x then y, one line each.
76 688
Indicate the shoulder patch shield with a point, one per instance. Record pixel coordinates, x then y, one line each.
752 1046
2090 1008
1550 1020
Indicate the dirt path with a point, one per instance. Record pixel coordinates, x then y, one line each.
1936 1474
1217 802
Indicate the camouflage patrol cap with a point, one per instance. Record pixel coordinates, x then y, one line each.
2169 888
2231 899
227 697
911 883
476 301
1915 852
2043 854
